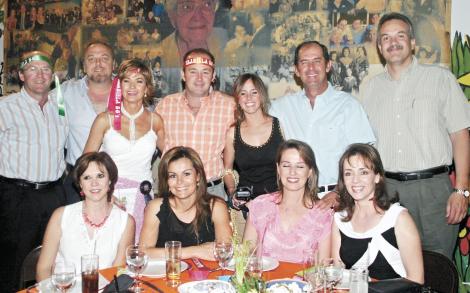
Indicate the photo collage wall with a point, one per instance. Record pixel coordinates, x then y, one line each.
257 36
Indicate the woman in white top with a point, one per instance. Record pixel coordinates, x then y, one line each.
133 145
371 231
91 226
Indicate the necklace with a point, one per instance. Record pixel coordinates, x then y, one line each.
132 119
89 222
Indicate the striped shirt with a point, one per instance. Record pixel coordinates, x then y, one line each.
412 117
204 132
31 140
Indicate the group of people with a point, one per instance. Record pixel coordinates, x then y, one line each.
302 157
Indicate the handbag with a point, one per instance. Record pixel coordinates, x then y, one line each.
124 282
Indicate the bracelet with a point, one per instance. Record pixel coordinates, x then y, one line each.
233 173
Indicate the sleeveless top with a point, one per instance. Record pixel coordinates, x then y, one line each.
172 228
288 245
75 241
133 160
257 164
384 257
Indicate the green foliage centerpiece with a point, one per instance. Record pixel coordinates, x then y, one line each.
242 280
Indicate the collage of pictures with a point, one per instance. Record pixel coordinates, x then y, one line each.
257 36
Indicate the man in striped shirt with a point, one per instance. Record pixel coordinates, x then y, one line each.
421 118
32 139
199 117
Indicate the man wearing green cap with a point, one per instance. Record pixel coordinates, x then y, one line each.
32 139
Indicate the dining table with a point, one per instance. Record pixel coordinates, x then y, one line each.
284 270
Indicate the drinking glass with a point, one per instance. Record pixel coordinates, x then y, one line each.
223 252
136 259
358 280
173 263
63 275
89 273
333 269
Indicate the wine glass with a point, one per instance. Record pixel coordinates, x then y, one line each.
333 269
136 259
63 275
223 252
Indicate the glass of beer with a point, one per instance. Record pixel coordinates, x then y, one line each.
173 263
89 273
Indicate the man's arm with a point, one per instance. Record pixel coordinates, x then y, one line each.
457 204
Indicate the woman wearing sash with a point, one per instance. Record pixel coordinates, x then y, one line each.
129 135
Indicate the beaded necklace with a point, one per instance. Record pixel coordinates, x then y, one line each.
89 222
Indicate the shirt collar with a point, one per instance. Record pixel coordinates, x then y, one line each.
30 99
406 72
323 96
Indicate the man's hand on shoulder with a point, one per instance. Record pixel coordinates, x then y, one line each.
329 201
456 209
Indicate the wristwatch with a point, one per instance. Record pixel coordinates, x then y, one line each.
463 192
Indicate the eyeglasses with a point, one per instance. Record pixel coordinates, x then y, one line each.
185 7
35 70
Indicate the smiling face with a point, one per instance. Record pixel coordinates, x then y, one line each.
98 63
37 77
249 98
395 43
133 86
293 171
359 179
182 178
94 182
312 67
198 77
193 19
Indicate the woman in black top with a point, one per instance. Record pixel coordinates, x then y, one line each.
252 142
184 211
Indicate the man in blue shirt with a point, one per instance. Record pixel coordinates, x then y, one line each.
326 119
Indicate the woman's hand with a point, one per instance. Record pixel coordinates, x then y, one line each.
204 251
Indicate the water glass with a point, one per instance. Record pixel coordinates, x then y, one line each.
90 265
223 252
136 259
254 266
358 280
333 269
63 275
173 263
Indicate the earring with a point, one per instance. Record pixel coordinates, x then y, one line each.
82 194
197 183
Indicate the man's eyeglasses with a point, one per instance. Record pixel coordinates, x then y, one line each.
185 7
35 70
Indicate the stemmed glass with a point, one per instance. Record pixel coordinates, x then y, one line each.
333 269
223 252
63 275
136 259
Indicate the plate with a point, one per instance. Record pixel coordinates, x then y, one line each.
286 285
46 285
156 268
206 286
269 264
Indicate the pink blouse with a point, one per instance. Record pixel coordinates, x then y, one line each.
288 245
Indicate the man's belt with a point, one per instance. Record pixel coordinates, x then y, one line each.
417 175
214 182
326 188
28 184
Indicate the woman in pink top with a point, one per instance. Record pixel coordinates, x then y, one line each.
288 222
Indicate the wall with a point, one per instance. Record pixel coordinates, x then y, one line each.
348 28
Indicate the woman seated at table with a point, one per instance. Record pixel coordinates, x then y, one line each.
288 223
370 230
184 211
91 226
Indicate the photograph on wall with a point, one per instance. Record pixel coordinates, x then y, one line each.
244 36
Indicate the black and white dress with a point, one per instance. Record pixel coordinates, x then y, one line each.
379 245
